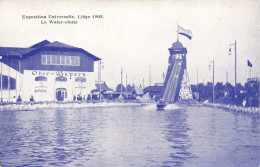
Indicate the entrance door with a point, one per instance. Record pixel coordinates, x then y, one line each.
61 94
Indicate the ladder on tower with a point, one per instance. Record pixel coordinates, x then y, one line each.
185 91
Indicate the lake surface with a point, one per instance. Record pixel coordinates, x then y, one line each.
129 136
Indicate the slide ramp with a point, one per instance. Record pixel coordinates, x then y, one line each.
172 83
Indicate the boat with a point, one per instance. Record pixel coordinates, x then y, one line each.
161 104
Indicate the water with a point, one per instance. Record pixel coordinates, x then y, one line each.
129 136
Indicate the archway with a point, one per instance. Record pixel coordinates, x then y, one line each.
61 94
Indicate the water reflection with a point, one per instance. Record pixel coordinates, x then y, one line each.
129 136
178 138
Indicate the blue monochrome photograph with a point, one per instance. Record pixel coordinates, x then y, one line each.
129 83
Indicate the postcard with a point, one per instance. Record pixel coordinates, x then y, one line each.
129 83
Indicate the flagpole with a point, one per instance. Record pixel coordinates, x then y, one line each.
1 59
227 76
150 76
100 81
177 32
125 84
121 82
236 71
213 79
197 76
9 84
235 45
213 96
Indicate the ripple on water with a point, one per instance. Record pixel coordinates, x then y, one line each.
129 136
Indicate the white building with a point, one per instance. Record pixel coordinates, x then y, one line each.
46 71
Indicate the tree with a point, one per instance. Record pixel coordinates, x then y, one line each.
240 88
129 88
230 89
118 88
219 90
209 91
201 90
194 88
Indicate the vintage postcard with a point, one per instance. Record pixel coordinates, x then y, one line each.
129 83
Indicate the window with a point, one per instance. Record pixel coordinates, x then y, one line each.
67 60
54 59
61 79
48 59
80 79
12 83
44 58
178 56
40 78
60 60
5 82
72 60
77 61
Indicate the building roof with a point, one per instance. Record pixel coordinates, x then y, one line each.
103 86
154 89
117 93
40 44
59 45
138 91
11 51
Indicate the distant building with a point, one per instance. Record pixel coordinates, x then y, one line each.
46 71
253 89
103 89
137 92
154 91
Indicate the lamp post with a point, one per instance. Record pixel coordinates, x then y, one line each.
99 78
121 93
150 76
213 80
126 84
235 48
197 77
1 79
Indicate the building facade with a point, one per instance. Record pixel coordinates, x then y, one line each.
46 72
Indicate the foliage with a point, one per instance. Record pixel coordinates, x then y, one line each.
129 88
118 88
225 94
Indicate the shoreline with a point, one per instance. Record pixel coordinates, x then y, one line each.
233 108
74 105
32 107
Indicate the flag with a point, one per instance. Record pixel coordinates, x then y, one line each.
249 64
184 32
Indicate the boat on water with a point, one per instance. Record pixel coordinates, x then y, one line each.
161 104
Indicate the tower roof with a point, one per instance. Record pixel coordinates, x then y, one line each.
177 45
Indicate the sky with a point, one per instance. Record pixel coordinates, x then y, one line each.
134 35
